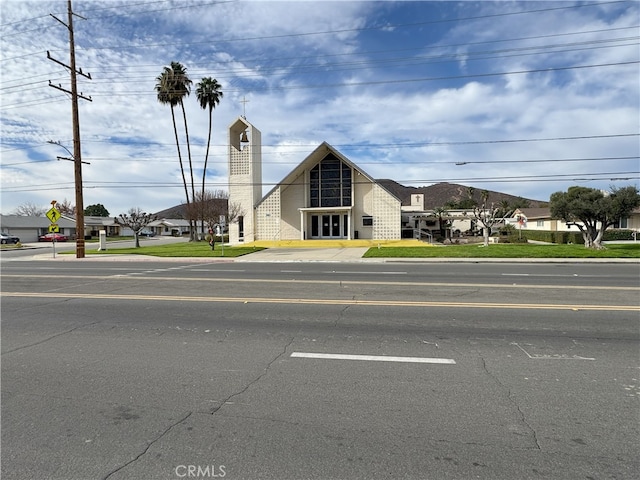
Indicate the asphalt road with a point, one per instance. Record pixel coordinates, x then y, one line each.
168 370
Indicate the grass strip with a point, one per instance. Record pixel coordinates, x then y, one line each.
188 249
506 251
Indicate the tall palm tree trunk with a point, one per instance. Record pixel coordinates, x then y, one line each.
184 179
192 222
204 171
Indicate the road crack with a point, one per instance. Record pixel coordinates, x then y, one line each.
255 380
48 338
512 400
149 445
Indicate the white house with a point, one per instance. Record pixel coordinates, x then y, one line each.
325 197
329 197
540 219
29 228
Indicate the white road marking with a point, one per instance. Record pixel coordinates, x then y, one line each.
364 273
556 356
373 358
559 275
218 270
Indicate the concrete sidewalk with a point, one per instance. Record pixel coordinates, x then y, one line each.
351 254
336 251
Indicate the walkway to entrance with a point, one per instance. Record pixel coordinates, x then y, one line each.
305 255
319 250
335 243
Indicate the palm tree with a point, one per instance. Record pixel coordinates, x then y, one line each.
443 224
208 93
172 85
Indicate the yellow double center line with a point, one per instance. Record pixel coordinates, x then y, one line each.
332 301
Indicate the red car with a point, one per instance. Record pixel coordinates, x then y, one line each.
50 237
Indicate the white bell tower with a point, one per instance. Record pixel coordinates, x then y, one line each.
245 178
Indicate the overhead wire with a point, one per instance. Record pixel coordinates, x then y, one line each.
368 146
581 176
455 77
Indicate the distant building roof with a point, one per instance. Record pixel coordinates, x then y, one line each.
440 194
24 221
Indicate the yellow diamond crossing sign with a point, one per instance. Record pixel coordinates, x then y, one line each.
53 214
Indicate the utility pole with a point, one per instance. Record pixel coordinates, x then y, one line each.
77 155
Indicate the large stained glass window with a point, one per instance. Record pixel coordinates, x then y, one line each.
330 183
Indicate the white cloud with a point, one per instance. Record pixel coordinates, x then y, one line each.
283 67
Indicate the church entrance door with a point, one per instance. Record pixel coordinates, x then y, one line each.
329 226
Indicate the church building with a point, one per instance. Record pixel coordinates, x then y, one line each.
325 197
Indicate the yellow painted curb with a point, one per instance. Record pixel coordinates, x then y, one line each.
336 243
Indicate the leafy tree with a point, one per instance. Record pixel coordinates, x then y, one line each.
504 209
443 223
172 85
521 203
136 220
593 211
464 204
29 209
96 210
208 93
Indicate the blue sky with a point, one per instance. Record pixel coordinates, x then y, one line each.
526 98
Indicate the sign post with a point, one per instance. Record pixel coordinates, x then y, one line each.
53 214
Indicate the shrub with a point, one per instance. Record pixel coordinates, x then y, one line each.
617 234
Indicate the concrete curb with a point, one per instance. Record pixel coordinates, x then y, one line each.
306 257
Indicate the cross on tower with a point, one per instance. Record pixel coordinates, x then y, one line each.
244 102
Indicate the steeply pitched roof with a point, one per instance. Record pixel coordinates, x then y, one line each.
312 159
534 213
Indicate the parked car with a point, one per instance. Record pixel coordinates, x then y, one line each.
146 233
6 238
50 237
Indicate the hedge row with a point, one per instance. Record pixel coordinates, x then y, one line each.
574 237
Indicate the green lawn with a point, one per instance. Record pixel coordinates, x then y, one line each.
187 249
202 249
506 251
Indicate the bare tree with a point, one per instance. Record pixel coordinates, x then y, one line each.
213 207
30 210
234 211
488 215
136 220
65 208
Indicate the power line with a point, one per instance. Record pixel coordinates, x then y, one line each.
331 32
366 83
348 146
581 176
306 68
378 27
223 161
394 82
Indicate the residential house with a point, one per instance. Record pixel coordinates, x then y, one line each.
540 219
29 228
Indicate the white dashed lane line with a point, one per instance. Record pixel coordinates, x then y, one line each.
373 358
